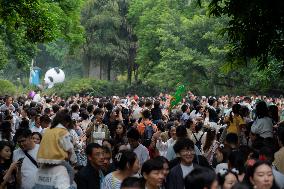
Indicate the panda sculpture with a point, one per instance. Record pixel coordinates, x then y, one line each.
52 76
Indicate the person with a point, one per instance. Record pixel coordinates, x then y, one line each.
221 156
28 150
227 178
211 145
54 153
146 128
199 137
185 149
278 156
156 112
132 183
212 110
236 161
97 131
266 153
127 165
163 146
37 127
235 121
37 137
45 122
120 134
260 176
201 178
185 114
8 105
108 165
166 168
140 150
262 126
9 172
91 176
152 172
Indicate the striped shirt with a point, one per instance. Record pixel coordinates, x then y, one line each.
110 182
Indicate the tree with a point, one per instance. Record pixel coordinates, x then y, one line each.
255 29
106 49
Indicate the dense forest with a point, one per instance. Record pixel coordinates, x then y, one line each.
211 46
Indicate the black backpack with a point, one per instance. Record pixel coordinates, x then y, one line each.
198 143
147 136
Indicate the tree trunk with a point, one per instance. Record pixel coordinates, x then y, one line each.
101 69
108 70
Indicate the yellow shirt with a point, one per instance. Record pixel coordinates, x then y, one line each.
50 150
237 122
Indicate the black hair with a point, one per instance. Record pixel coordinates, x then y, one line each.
151 165
61 117
90 147
280 134
185 143
25 133
273 113
124 158
74 108
146 114
261 109
84 115
200 178
55 108
90 108
251 170
161 126
162 159
132 182
109 106
237 161
211 101
133 134
98 111
45 119
232 138
222 177
267 152
37 133
181 132
106 150
47 111
236 108
141 103
184 107
156 104
24 124
2 146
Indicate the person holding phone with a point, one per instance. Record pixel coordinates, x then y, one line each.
10 174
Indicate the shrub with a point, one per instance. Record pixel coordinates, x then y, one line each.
7 88
102 88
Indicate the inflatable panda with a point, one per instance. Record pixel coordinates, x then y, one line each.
52 76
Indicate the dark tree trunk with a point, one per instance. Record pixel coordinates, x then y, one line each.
108 70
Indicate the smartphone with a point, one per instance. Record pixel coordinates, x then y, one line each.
20 161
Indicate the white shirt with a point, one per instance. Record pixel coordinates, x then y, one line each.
186 169
28 169
36 129
142 153
263 127
56 176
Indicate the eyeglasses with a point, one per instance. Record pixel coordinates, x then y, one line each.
189 152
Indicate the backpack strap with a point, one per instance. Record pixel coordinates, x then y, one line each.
31 158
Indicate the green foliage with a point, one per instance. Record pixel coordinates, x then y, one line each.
255 28
102 88
26 23
7 88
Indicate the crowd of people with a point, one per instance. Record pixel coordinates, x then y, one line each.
134 142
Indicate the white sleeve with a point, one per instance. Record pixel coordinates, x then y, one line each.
161 145
65 142
256 127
